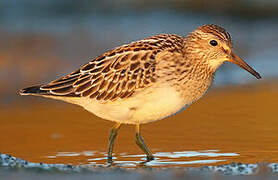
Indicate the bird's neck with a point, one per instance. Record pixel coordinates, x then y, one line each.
197 76
195 84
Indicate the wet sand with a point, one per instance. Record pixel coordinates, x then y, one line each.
241 121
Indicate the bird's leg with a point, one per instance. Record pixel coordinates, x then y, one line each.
112 137
140 142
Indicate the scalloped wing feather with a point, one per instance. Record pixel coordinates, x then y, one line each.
117 73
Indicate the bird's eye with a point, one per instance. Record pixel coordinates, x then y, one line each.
213 43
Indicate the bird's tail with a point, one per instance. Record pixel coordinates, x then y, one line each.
33 90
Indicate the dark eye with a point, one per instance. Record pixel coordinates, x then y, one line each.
213 43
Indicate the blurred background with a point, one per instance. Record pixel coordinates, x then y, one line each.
42 40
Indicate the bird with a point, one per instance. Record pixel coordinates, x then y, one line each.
146 80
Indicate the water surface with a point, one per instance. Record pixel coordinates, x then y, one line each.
230 124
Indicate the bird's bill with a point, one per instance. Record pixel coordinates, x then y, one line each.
237 60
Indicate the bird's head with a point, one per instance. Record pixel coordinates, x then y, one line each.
212 45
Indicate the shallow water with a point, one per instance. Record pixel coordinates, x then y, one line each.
230 124
162 159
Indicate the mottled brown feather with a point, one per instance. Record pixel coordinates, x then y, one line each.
118 73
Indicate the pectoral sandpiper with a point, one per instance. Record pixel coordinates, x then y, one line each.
146 80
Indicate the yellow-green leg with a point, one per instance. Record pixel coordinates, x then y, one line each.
112 137
140 142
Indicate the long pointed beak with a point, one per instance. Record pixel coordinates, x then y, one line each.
237 60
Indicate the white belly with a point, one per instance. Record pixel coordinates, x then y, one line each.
147 106
150 105
157 105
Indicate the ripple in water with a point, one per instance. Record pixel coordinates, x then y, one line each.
161 158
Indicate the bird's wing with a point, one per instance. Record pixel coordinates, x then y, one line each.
115 74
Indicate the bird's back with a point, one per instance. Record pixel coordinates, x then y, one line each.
116 74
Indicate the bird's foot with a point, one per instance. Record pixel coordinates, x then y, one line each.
109 160
150 158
